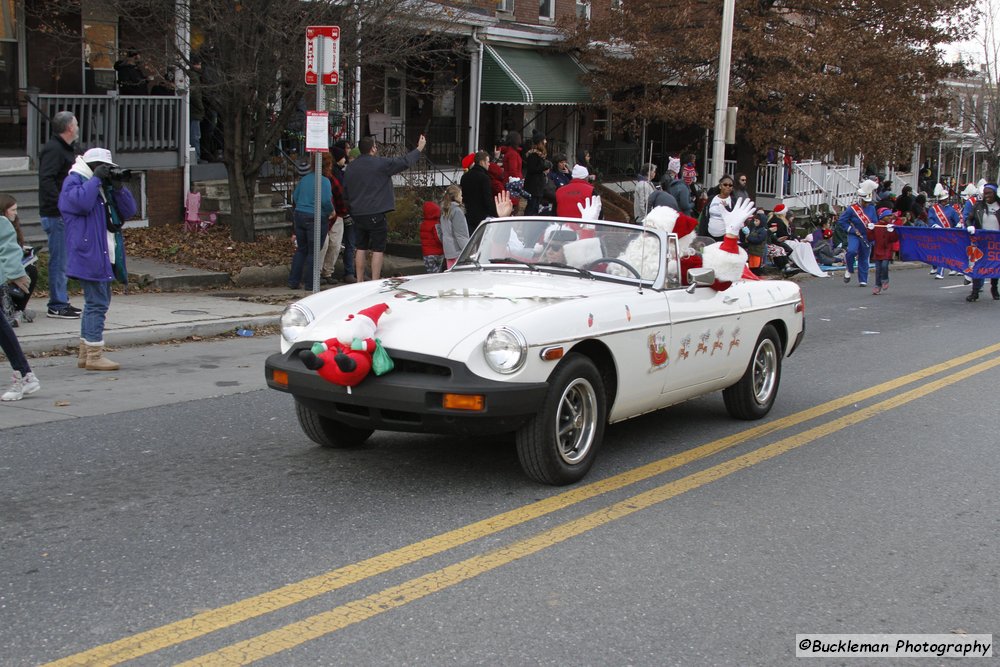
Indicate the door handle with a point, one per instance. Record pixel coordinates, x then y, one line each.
728 300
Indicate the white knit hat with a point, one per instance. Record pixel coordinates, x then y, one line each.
579 171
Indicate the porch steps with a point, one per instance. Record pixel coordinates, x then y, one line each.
269 219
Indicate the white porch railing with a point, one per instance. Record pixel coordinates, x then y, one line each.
807 184
728 165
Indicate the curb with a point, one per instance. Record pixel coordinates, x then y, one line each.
148 334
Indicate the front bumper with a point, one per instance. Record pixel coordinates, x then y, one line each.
409 398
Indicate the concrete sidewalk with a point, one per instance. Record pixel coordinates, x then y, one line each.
150 317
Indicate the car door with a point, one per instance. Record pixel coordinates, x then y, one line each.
706 334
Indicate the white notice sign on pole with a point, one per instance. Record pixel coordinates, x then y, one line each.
317 131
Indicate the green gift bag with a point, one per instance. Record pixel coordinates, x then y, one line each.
381 361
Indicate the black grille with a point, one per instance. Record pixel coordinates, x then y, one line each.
419 367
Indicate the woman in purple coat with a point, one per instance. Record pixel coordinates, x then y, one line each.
95 204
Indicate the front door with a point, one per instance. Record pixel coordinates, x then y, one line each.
395 108
10 70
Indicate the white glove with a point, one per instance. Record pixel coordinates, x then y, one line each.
734 219
971 229
890 228
590 209
871 225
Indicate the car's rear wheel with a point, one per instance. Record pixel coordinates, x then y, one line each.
753 396
328 432
559 444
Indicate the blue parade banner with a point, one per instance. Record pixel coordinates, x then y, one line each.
976 255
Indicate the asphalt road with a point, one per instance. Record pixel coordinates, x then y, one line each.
182 516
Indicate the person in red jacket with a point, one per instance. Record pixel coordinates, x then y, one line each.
573 193
430 238
510 154
884 234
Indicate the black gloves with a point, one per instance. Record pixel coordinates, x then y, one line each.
102 171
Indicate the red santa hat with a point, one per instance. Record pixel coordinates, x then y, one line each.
374 312
468 161
780 208
673 222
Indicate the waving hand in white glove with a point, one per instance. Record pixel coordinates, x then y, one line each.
734 219
591 208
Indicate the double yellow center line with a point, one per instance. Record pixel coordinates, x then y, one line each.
286 637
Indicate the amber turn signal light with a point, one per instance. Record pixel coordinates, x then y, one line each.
552 353
280 377
463 402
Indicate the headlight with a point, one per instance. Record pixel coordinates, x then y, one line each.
505 350
293 321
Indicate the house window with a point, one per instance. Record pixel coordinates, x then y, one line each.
583 9
547 9
505 6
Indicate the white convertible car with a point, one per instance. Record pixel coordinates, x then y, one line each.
549 329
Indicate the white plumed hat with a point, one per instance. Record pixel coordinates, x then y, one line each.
866 189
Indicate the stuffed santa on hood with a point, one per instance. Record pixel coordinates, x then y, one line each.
346 359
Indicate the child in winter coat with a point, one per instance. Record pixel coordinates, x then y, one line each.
430 238
12 271
884 234
454 228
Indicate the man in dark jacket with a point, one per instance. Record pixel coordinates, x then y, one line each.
54 162
369 194
676 187
477 192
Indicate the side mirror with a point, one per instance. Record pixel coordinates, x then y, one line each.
703 277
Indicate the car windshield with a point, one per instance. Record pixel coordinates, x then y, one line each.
594 249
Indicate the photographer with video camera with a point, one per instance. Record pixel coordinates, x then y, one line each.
95 205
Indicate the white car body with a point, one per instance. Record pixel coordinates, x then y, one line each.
654 341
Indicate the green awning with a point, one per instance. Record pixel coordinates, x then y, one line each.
527 76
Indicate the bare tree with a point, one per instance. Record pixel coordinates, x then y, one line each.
982 108
813 76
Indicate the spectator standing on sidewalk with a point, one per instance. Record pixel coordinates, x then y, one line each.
11 271
675 186
430 238
477 193
54 162
19 302
369 194
95 205
331 247
304 201
454 229
534 171
643 189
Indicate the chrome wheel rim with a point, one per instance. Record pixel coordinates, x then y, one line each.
765 370
576 421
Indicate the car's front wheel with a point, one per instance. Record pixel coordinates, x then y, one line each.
753 396
559 444
328 432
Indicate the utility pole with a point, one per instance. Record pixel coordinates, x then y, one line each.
722 93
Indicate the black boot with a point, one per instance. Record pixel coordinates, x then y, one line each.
972 297
995 292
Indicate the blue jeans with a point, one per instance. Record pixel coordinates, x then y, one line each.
860 250
96 299
349 250
55 229
302 260
881 272
11 348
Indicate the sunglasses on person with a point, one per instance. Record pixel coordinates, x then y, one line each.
725 185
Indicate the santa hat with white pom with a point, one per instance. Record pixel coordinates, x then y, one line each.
673 222
727 258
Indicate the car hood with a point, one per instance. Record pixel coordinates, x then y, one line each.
431 314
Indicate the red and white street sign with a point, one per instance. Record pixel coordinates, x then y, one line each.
330 34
